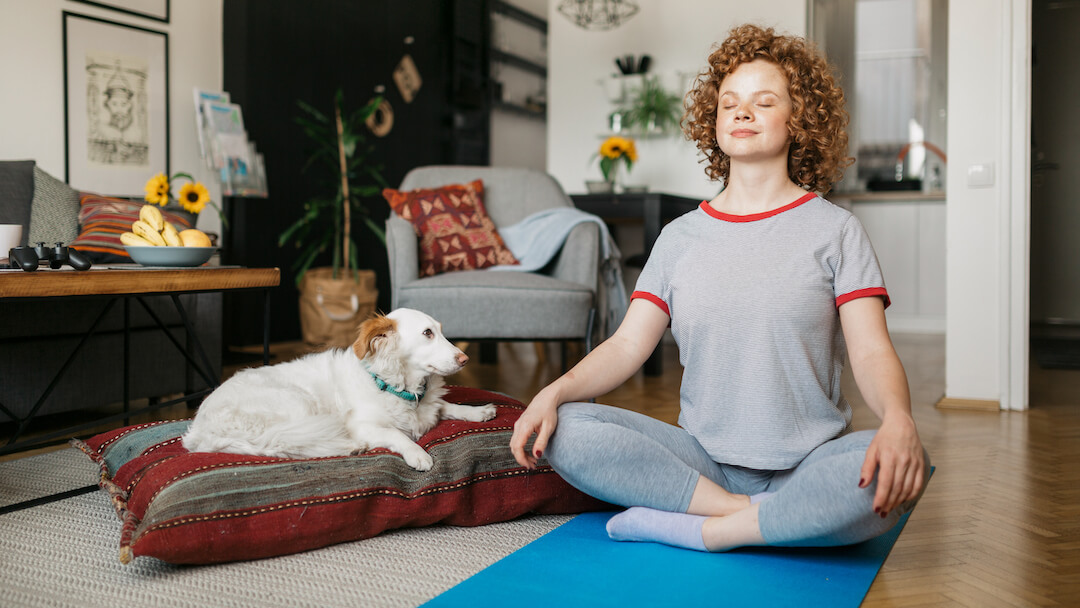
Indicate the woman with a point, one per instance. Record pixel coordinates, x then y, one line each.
766 288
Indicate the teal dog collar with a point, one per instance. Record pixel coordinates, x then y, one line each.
406 395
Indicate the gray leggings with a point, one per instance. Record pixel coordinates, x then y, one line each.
630 459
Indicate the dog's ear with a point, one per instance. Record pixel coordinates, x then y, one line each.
373 333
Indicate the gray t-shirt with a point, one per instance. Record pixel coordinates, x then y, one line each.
753 302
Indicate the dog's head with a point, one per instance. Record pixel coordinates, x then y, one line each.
410 340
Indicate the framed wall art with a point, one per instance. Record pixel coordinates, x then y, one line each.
116 105
151 9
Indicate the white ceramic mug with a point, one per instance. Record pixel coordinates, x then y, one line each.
10 236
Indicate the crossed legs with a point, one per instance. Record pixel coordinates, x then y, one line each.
632 460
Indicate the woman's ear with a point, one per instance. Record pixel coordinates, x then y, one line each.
373 334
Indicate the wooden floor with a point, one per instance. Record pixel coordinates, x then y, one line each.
999 524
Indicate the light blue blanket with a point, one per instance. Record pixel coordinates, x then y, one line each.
535 240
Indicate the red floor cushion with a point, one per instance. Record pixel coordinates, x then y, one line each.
198 508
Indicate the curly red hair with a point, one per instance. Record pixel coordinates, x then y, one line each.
818 153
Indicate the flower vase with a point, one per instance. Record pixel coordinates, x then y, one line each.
612 178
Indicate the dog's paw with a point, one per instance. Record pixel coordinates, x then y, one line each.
418 459
485 412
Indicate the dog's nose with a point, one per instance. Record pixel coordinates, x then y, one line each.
462 359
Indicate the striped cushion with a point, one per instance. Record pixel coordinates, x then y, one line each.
196 508
103 219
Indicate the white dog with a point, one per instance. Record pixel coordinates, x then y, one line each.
383 393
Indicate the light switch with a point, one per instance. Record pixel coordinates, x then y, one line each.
980 176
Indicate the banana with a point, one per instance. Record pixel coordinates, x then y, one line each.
133 240
171 236
147 232
152 216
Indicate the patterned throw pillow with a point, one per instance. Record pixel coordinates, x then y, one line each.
199 508
103 219
454 228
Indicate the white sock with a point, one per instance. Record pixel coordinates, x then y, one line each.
650 525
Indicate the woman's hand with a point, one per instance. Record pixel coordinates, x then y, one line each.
606 367
896 455
540 418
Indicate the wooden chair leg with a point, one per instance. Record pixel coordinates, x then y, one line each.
541 352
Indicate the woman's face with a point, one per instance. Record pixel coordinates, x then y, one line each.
753 108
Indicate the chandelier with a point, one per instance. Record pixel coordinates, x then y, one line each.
598 14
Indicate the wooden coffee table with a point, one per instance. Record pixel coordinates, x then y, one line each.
126 283
120 280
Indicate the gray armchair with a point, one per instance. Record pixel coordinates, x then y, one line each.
557 303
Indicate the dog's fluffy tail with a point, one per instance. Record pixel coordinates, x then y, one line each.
307 437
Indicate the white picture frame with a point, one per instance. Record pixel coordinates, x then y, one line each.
116 105
151 9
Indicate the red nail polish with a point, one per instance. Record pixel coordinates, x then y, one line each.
862 482
883 514
539 453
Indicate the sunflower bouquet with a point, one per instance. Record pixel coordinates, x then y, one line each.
614 150
192 196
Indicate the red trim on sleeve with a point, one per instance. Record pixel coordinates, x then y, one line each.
644 295
753 217
864 293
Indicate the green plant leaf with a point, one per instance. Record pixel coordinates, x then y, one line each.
375 228
312 110
319 227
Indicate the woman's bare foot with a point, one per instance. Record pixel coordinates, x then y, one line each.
740 529
712 500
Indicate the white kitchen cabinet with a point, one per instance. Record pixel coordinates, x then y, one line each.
908 233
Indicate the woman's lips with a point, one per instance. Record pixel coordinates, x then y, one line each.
743 133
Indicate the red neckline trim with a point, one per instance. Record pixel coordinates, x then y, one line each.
753 217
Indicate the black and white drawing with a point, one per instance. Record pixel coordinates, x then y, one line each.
117 108
116 105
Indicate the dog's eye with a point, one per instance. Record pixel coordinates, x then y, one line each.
428 333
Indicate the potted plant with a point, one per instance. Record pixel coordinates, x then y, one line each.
652 108
334 299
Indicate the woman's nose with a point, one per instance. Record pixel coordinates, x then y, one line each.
742 113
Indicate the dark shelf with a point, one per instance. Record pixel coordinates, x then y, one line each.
513 12
518 62
521 110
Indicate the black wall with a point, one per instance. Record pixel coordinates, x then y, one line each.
279 51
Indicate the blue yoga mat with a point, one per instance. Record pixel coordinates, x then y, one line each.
577 564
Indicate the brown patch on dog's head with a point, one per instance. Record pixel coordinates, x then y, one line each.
372 334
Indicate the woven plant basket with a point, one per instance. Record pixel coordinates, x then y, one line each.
332 309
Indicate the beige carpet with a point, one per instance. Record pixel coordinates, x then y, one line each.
65 554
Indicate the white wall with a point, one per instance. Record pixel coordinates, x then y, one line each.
982 84
679 35
32 68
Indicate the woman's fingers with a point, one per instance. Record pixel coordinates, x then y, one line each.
541 442
522 432
869 467
884 487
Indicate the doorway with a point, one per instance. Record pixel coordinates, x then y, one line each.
1055 208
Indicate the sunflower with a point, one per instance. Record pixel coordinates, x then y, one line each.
157 190
614 150
194 196
614 147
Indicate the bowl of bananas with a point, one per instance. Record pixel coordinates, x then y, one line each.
153 241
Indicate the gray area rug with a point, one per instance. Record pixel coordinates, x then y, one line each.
66 554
